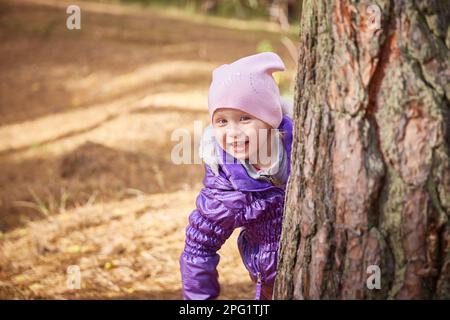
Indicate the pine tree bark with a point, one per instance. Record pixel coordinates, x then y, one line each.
370 177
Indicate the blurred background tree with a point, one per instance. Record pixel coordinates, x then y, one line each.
286 10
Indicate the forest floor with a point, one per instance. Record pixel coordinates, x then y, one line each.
86 118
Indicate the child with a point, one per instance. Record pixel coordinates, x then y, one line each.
243 99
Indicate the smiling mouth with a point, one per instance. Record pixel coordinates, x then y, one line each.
238 145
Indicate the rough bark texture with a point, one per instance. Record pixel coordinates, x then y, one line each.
370 179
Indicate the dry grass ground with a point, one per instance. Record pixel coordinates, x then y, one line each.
86 118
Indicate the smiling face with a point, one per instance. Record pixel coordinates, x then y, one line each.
241 134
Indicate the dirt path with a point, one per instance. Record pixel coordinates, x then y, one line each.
85 123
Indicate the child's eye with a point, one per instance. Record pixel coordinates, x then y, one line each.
245 118
221 121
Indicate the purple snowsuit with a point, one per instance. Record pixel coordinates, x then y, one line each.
230 200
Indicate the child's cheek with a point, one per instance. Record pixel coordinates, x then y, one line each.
252 150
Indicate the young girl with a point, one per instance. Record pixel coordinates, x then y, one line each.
241 188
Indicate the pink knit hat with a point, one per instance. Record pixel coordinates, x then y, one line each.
247 84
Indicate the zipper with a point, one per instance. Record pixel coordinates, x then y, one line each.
258 278
258 286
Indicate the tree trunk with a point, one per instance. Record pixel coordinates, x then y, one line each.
370 179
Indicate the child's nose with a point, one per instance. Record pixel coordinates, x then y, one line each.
234 132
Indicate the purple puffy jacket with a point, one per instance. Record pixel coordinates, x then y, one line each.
227 201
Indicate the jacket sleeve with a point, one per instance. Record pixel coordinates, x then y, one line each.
210 225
